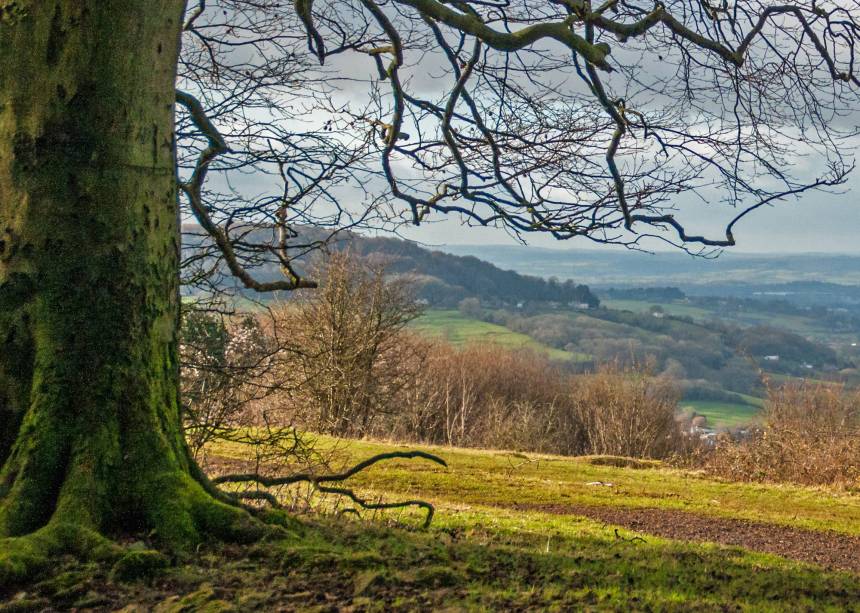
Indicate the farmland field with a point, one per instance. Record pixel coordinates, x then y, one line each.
722 414
807 326
457 329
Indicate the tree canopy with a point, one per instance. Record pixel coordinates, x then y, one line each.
601 121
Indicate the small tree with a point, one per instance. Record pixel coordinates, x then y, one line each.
226 366
349 361
471 307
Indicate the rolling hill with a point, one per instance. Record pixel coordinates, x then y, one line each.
440 278
716 360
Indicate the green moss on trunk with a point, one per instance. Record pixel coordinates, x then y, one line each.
89 248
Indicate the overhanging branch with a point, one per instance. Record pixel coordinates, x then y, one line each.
193 188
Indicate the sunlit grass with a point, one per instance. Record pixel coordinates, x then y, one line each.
481 554
458 329
504 478
723 414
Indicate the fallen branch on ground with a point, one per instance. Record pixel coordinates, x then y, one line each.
318 480
631 539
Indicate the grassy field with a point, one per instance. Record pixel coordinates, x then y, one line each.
459 330
494 544
722 414
799 324
499 478
511 532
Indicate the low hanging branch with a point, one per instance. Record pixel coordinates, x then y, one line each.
317 480
193 191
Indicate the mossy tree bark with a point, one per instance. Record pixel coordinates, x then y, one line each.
90 432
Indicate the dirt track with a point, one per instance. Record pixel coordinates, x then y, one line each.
827 549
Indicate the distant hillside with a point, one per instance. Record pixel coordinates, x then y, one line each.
445 279
675 333
441 278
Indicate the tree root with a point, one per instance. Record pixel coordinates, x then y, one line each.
182 513
632 539
178 512
22 557
317 480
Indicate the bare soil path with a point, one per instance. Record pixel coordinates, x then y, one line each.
827 549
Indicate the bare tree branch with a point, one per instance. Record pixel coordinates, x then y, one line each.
318 480
192 189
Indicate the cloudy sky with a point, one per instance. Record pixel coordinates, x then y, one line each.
817 222
814 222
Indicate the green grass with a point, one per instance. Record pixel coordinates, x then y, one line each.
482 478
502 561
799 324
480 554
458 329
723 414
753 400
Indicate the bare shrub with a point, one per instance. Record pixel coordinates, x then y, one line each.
226 366
482 395
346 353
627 412
489 396
809 436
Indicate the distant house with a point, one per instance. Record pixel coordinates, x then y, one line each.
579 305
771 358
658 314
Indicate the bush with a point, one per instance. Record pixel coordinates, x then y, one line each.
809 436
232 391
488 396
226 366
627 413
471 307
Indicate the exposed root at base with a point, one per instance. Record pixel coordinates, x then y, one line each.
178 512
22 557
181 514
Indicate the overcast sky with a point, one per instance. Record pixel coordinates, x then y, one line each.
817 222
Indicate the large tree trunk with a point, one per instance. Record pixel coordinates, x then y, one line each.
90 429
